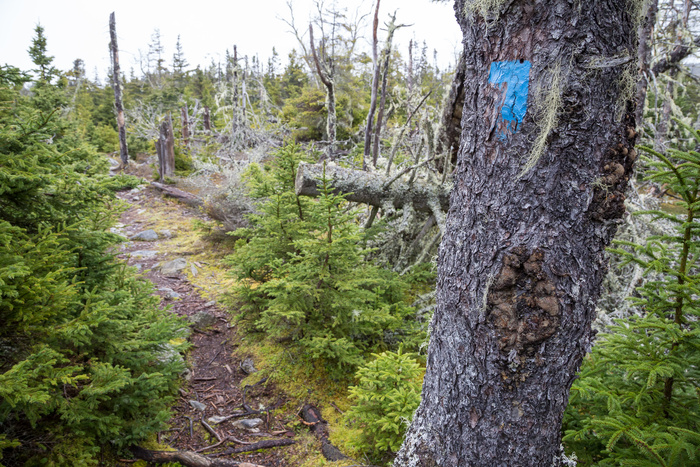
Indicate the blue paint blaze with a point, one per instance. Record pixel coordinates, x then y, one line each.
513 78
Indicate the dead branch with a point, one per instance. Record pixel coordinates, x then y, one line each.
372 188
267 444
186 458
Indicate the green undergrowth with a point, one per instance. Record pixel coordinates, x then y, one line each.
317 316
304 278
87 363
637 400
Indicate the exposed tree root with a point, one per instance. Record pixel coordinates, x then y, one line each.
319 427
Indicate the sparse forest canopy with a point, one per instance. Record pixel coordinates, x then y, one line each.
332 179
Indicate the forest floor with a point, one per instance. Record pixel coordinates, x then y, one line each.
218 353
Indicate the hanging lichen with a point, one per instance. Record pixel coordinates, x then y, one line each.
548 102
487 9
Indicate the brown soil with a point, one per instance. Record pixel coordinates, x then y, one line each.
216 375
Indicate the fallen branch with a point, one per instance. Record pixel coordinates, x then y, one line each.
180 195
373 188
267 444
186 458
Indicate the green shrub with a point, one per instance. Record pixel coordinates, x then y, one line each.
303 273
105 138
385 397
184 165
637 401
85 353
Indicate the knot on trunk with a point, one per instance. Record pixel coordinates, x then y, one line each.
522 304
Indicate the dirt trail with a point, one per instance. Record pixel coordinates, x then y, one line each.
216 375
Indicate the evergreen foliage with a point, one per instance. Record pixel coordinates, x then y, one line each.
303 273
384 399
85 356
637 401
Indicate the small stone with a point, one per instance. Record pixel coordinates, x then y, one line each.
215 420
168 354
198 405
247 423
210 304
149 235
248 366
170 294
194 270
166 233
136 198
202 320
172 268
143 253
186 374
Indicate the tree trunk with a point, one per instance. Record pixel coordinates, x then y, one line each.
373 189
545 156
326 74
386 55
165 148
375 88
118 106
646 32
451 122
185 126
206 119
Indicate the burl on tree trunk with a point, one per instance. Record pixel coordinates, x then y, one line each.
545 156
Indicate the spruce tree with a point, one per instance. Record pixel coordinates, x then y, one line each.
39 56
637 401
86 360
304 275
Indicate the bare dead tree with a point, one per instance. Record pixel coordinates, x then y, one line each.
646 33
185 125
326 73
386 55
118 105
165 149
206 118
375 86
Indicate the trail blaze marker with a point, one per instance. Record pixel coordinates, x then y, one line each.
512 78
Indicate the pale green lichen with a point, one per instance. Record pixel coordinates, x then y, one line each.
490 10
548 103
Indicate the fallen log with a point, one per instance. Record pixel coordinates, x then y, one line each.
230 220
186 458
180 195
374 189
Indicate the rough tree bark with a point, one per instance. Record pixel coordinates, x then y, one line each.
118 106
326 74
451 122
545 156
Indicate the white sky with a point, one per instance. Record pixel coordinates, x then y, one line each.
80 29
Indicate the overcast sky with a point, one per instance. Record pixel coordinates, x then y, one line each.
80 28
